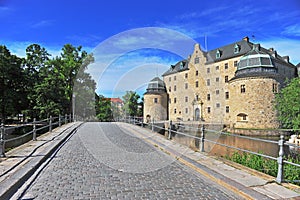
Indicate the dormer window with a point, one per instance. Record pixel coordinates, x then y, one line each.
236 48
218 54
196 60
181 65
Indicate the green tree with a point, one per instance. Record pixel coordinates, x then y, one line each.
11 84
288 105
37 58
103 109
130 100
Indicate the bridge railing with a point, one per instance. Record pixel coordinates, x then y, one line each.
14 135
199 135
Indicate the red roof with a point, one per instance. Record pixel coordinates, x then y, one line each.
115 100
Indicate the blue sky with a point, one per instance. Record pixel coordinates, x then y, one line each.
128 53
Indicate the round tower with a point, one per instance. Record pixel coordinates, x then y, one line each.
252 91
156 101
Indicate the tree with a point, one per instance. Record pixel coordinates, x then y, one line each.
103 109
36 60
130 100
288 105
11 84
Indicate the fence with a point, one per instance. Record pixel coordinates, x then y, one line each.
10 140
172 129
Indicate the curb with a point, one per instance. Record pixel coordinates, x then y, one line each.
14 182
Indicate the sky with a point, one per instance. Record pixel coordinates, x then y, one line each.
134 41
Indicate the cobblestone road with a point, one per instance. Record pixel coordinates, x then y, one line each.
92 165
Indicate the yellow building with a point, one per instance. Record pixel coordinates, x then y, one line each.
234 85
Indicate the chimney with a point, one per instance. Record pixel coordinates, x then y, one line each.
271 49
246 39
286 58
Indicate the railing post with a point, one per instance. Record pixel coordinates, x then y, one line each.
202 138
59 120
50 124
280 176
2 142
66 119
34 130
170 130
70 116
152 126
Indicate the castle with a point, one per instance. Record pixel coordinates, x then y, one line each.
234 85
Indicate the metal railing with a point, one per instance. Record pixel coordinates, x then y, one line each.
40 126
172 130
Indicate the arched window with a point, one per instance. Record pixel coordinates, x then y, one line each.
242 117
218 54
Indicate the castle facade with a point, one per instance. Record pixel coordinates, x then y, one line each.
233 85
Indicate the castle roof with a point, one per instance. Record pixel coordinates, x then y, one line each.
178 67
156 86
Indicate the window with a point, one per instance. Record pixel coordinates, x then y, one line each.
175 100
218 105
226 95
181 65
174 78
217 68
170 89
175 111
197 84
197 97
155 100
186 75
208 82
169 79
169 101
217 92
227 109
174 88
186 110
208 97
208 110
186 99
217 79
242 117
186 85
236 48
208 70
235 63
197 73
226 79
275 88
196 60
243 89
218 54
226 66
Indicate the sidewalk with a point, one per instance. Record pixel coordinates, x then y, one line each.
246 182
21 162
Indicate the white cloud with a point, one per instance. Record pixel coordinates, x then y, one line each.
285 46
293 30
42 23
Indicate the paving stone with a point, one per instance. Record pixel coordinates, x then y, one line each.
77 173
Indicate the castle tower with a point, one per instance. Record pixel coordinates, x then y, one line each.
253 90
156 101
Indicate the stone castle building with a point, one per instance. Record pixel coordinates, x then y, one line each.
234 85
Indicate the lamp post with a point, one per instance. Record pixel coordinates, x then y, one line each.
73 106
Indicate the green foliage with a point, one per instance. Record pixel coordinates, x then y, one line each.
103 109
38 86
288 105
268 166
12 81
130 100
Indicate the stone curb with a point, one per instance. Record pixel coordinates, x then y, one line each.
27 167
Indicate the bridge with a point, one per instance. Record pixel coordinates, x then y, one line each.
95 160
